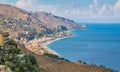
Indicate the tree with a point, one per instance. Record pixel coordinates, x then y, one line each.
32 59
17 69
10 64
11 42
2 61
22 67
80 61
14 51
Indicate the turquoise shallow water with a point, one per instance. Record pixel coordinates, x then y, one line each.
99 44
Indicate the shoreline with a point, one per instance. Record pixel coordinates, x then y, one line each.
40 45
50 42
45 45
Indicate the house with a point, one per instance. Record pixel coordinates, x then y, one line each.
1 39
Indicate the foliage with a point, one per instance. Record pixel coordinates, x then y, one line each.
14 51
17 70
1 61
11 42
32 59
102 66
55 57
80 61
16 60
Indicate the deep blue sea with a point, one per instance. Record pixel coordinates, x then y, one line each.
98 44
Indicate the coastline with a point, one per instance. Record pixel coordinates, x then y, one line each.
49 42
40 45
45 45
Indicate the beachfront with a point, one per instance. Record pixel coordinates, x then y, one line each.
39 45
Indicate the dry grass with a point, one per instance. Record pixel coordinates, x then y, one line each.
51 65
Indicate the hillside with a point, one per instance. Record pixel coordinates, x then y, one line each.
52 21
26 26
12 11
19 59
32 24
61 65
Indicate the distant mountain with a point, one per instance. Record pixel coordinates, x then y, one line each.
52 21
24 22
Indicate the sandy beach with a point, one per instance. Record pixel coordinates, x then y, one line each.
40 45
45 45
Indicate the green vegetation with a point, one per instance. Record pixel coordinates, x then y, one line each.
16 60
81 62
55 57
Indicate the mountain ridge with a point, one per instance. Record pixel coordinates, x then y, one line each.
21 23
24 22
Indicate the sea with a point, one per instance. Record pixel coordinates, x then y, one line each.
99 44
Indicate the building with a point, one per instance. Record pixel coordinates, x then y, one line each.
1 40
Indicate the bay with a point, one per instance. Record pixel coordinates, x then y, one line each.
98 44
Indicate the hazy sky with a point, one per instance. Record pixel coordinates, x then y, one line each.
78 10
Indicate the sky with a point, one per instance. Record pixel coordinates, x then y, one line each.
104 11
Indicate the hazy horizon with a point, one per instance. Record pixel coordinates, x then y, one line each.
90 11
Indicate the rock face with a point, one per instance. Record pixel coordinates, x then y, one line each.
22 21
52 21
